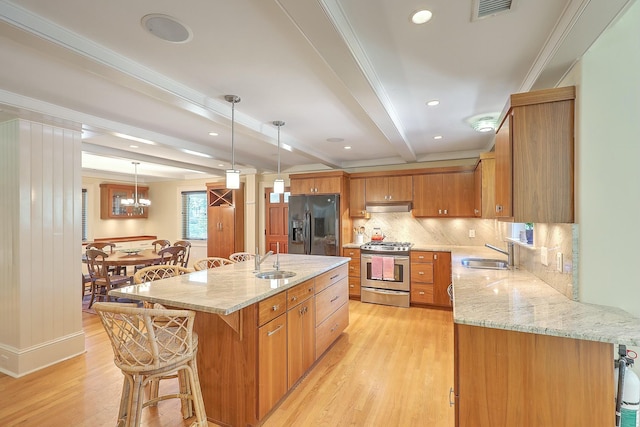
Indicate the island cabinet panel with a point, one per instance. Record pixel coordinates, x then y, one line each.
509 378
272 364
354 271
331 328
301 339
327 279
535 157
330 299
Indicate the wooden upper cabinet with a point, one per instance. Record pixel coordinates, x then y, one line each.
535 158
389 189
444 194
357 198
485 186
316 185
111 196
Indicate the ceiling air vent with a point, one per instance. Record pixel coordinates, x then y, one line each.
486 8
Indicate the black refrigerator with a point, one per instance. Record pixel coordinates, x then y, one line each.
314 224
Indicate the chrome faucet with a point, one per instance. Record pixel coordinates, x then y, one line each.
276 264
260 259
508 252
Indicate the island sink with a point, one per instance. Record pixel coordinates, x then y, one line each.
277 274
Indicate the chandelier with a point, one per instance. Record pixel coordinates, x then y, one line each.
137 202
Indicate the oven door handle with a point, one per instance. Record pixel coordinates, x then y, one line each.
398 258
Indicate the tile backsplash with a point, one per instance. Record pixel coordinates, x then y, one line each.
403 227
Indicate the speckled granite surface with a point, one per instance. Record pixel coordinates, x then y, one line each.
518 300
226 289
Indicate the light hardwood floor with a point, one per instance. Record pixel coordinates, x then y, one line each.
391 367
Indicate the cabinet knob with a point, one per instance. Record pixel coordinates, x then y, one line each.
421 273
275 307
421 292
498 208
446 212
439 211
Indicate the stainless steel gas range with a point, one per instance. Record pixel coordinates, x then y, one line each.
385 277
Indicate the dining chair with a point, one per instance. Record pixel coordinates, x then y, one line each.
241 256
210 262
157 246
104 246
187 246
172 255
148 344
101 277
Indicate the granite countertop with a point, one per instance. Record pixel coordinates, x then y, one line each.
517 300
229 288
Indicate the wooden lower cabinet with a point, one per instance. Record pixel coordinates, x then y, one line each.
430 278
301 339
509 378
272 364
250 359
354 271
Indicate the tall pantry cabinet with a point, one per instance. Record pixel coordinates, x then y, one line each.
225 220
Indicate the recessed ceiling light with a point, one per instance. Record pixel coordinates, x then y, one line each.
433 103
437 137
213 133
196 153
133 138
421 16
335 139
166 28
133 146
347 147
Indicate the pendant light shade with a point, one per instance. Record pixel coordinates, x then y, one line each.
278 183
233 174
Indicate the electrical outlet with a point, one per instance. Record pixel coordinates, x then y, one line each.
559 262
544 256
472 233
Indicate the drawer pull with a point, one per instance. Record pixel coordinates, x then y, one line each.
294 298
310 290
275 330
275 307
303 310
420 256
421 292
333 277
352 286
334 298
421 273
451 402
335 327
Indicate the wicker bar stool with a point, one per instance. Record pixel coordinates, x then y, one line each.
211 262
148 344
241 256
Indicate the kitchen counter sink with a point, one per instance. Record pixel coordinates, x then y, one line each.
274 275
491 264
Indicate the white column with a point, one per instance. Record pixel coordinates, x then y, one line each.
40 227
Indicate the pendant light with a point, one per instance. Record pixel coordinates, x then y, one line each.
137 202
233 175
278 183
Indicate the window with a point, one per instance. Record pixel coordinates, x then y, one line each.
84 214
194 215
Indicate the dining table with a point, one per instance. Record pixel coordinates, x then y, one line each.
128 257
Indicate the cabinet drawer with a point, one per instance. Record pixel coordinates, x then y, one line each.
354 268
352 253
272 307
299 293
327 279
354 286
420 256
422 273
330 299
422 294
330 329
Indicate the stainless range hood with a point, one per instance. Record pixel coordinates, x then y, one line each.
389 207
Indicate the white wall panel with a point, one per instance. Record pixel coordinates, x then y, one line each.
41 305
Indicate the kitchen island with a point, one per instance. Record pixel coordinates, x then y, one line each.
257 337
